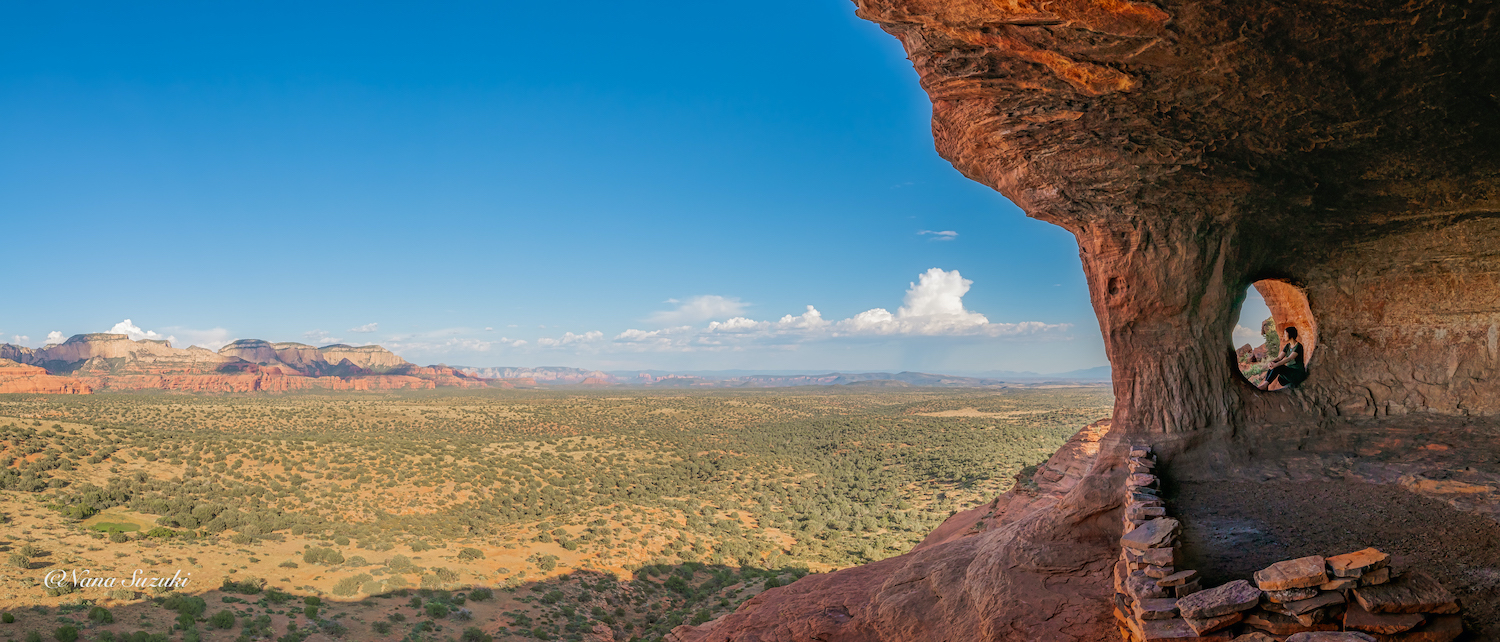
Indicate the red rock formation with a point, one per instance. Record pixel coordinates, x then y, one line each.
1194 148
21 378
114 362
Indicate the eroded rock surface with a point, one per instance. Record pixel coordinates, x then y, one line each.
1350 151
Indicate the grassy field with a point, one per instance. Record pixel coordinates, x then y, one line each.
461 515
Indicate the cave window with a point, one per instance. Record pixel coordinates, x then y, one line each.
1270 307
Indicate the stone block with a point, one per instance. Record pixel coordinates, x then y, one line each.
1339 584
1282 625
1184 590
1157 572
1414 592
1156 609
1291 595
1177 630
1178 579
1139 587
1291 574
1233 597
1376 577
1156 533
1203 626
1357 563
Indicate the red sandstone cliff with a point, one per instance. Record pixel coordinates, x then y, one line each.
17 377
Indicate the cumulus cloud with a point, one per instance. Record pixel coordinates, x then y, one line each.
1244 335
136 333
366 328
933 306
54 337
320 336
697 310
568 338
20 339
945 235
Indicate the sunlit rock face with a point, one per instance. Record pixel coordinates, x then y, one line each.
1350 150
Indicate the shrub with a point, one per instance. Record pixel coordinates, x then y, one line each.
310 611
7 618
222 620
101 615
473 634
436 609
66 633
118 537
382 628
312 600
481 594
471 554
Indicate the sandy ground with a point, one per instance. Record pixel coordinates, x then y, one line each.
1236 528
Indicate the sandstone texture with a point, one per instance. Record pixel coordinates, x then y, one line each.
21 378
113 362
1348 151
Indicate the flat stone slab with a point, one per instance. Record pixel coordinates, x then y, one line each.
1291 595
1357 563
1358 619
1292 574
1339 584
1204 626
1141 480
1157 572
1160 608
1254 637
1139 587
1155 533
1178 579
1331 636
1233 597
1377 576
1313 603
1177 630
1414 592
1283 625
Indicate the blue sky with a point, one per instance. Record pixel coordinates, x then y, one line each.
592 184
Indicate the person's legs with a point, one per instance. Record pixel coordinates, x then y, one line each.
1279 372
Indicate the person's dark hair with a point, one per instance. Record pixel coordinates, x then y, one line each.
1291 332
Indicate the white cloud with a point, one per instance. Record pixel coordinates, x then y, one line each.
136 333
698 309
933 307
945 235
53 337
1244 335
366 328
568 338
20 339
320 336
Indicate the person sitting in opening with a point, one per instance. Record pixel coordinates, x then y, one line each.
1290 368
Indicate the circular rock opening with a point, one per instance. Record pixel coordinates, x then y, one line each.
1263 345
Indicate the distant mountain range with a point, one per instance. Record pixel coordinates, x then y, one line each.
776 379
90 362
101 361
